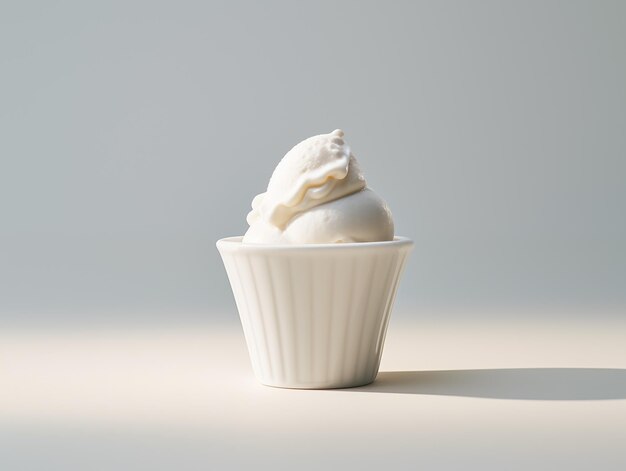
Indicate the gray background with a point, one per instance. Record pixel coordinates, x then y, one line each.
133 135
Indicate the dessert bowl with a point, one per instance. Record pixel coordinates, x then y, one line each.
315 315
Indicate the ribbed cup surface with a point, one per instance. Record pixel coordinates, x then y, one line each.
315 316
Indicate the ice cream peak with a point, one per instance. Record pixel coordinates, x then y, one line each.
317 194
317 170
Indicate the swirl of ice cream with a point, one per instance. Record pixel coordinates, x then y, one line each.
318 195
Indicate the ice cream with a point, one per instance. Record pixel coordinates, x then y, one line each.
318 195
314 299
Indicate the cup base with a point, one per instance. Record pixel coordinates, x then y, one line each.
324 385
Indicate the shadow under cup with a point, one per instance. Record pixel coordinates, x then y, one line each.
315 316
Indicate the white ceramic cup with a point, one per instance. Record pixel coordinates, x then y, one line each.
315 316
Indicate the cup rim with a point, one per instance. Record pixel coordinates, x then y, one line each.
235 242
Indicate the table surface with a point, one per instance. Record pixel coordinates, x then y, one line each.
532 394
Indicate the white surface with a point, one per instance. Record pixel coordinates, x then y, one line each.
547 395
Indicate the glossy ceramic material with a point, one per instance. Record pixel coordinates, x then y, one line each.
315 316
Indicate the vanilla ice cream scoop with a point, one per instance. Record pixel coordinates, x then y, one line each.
318 195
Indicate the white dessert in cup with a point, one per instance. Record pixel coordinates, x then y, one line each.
315 276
